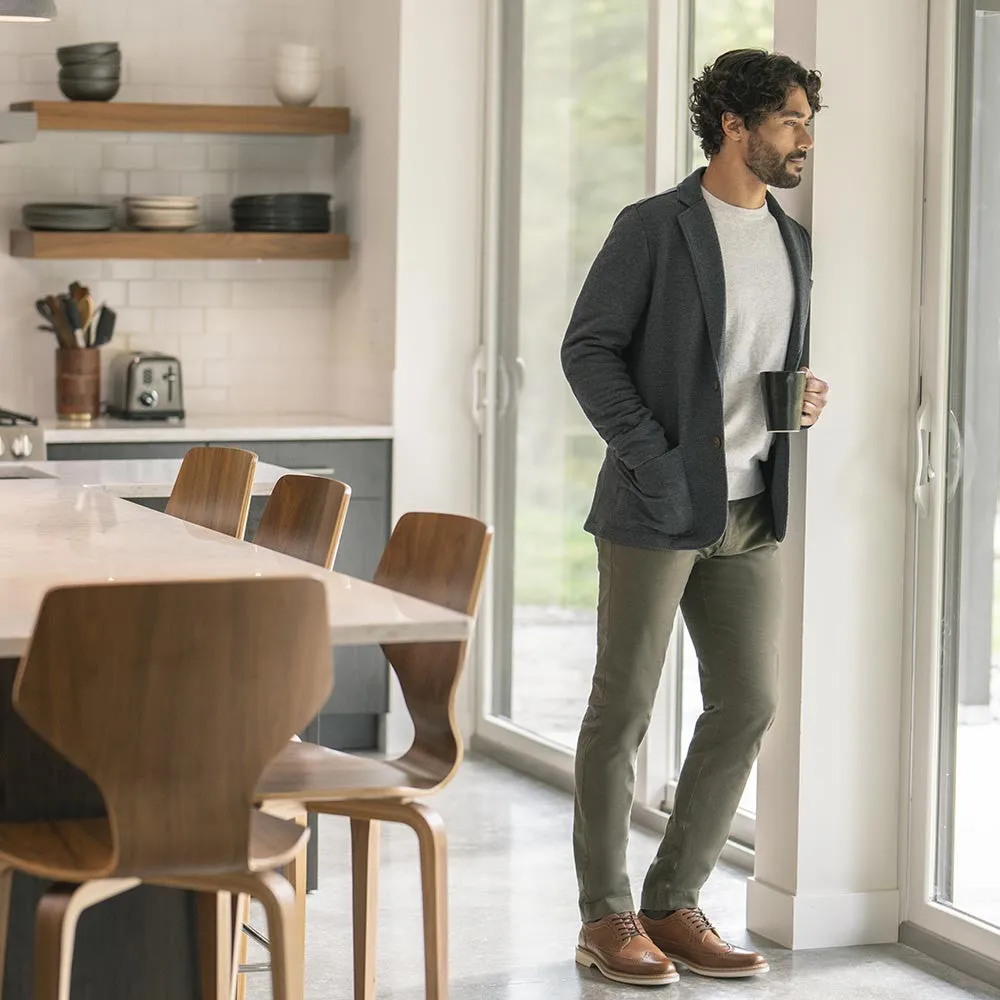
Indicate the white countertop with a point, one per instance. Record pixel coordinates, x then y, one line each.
233 427
56 534
124 477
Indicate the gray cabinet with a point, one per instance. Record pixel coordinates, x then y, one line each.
126 449
350 719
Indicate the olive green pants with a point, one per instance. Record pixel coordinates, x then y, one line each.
729 595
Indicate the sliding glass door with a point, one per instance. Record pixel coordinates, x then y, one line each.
954 872
591 105
574 153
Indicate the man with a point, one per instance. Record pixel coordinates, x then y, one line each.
695 292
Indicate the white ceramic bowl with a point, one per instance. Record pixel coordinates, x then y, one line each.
298 61
298 80
296 93
294 52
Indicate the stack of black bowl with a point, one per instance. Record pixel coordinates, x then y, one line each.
281 213
90 72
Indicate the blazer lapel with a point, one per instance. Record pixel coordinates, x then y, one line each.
703 244
802 281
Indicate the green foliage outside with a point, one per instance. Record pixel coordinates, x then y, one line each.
583 159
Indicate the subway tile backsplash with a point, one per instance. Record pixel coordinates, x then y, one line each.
273 335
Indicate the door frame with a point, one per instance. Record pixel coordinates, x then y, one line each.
938 929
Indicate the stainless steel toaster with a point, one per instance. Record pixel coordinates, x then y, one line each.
145 386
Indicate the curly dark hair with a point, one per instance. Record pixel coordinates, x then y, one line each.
750 83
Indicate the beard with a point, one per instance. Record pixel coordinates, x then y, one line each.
770 166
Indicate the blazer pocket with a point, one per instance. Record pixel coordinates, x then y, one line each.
661 487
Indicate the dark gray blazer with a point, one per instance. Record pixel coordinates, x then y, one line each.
643 354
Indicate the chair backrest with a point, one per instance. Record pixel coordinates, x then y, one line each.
213 489
439 558
304 517
173 698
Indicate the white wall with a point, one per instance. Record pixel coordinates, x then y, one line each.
293 336
367 78
438 263
827 830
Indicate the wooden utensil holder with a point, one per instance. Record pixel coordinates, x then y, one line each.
78 383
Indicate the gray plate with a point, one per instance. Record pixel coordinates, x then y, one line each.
68 216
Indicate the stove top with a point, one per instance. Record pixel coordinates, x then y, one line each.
20 437
8 418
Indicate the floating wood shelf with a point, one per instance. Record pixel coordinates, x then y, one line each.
179 246
243 119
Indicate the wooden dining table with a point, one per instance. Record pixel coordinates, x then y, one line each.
145 942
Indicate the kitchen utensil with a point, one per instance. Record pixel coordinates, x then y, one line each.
86 307
72 312
105 326
63 331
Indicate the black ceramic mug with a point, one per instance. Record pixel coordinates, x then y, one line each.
784 393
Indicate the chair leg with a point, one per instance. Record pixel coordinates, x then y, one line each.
433 842
215 943
278 897
242 917
296 872
364 864
429 828
58 913
239 905
6 881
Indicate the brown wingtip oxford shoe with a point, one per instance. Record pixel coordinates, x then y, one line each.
618 947
689 939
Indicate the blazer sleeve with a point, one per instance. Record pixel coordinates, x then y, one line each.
610 306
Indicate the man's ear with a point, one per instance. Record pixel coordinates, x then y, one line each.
732 126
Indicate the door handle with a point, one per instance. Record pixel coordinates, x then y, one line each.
956 456
925 474
479 389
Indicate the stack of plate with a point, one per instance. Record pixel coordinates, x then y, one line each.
164 212
68 216
281 213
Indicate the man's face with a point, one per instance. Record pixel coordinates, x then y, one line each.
776 150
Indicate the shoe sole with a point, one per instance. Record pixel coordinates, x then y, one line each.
718 973
590 961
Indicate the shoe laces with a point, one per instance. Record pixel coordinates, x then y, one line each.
627 925
698 920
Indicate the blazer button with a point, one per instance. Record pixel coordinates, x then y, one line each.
715 385
717 441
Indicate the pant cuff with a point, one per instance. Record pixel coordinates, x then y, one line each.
598 908
671 901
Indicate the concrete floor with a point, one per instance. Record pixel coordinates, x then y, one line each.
514 918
